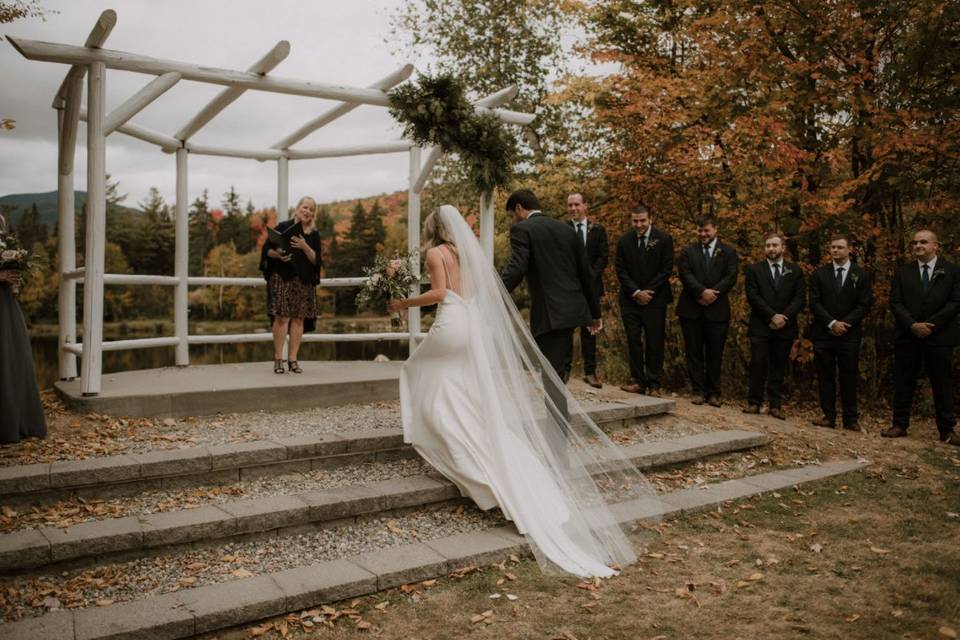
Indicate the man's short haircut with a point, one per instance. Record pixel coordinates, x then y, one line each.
524 198
583 196
837 237
641 208
703 221
778 236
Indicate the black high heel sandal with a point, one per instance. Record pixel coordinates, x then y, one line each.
278 366
293 366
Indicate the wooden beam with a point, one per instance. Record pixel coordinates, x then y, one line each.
283 189
510 117
399 146
98 35
428 165
95 243
228 152
226 97
138 101
500 97
168 143
332 114
122 61
181 262
69 124
413 239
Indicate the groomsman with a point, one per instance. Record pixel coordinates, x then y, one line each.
644 262
925 299
776 293
841 295
593 237
708 272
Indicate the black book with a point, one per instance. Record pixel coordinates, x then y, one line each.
281 241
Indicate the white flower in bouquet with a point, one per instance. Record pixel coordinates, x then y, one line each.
388 278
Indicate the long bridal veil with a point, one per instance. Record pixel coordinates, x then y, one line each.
557 473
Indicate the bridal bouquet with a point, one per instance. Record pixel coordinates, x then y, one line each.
13 257
388 278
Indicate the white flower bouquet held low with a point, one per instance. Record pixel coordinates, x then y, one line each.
388 278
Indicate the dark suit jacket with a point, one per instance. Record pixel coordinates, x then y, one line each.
551 257
652 271
598 253
766 302
851 304
695 277
939 305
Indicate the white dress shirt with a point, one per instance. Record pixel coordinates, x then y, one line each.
776 262
932 264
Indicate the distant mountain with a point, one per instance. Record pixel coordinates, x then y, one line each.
19 203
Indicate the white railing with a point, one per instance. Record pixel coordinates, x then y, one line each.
92 61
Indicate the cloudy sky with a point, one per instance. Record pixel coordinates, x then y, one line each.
331 42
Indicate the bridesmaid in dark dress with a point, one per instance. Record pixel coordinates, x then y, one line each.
21 413
292 280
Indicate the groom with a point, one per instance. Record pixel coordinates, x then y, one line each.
551 257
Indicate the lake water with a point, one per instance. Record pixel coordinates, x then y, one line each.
45 358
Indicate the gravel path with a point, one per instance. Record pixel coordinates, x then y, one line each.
27 597
70 512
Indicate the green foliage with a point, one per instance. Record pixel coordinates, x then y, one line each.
435 111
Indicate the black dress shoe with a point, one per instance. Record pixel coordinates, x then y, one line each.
592 380
698 400
951 437
632 388
777 412
714 401
853 426
752 408
824 421
894 432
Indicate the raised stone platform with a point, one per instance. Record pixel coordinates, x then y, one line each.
232 388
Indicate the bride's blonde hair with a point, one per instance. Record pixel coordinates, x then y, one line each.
435 234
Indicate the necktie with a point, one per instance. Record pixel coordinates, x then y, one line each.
839 278
776 276
706 255
583 239
925 277
642 244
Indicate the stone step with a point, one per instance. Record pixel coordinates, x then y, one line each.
128 474
209 608
30 548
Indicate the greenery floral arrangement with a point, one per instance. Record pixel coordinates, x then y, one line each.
435 111
388 278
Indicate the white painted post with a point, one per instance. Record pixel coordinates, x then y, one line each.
413 240
182 263
66 223
95 241
283 188
486 224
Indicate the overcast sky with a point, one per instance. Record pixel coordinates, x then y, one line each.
331 42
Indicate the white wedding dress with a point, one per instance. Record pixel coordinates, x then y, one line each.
475 405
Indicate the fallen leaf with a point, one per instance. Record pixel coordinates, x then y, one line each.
947 632
494 596
428 583
103 602
510 577
363 625
755 576
816 548
382 605
511 597
879 550
853 618
241 573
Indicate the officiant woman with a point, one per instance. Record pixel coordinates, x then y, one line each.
292 278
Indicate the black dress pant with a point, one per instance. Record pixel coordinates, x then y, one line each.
645 329
588 348
703 343
557 347
938 361
768 366
835 359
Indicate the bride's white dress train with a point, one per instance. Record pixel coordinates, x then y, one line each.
473 405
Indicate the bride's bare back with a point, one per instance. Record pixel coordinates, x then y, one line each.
450 271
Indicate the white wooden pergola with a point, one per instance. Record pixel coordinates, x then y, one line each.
93 61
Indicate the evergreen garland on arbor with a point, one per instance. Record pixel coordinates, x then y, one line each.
436 111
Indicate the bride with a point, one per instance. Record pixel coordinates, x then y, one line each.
479 403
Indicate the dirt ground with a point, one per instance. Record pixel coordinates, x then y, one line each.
869 555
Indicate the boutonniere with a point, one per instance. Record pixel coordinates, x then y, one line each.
786 271
938 272
653 242
717 252
854 279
